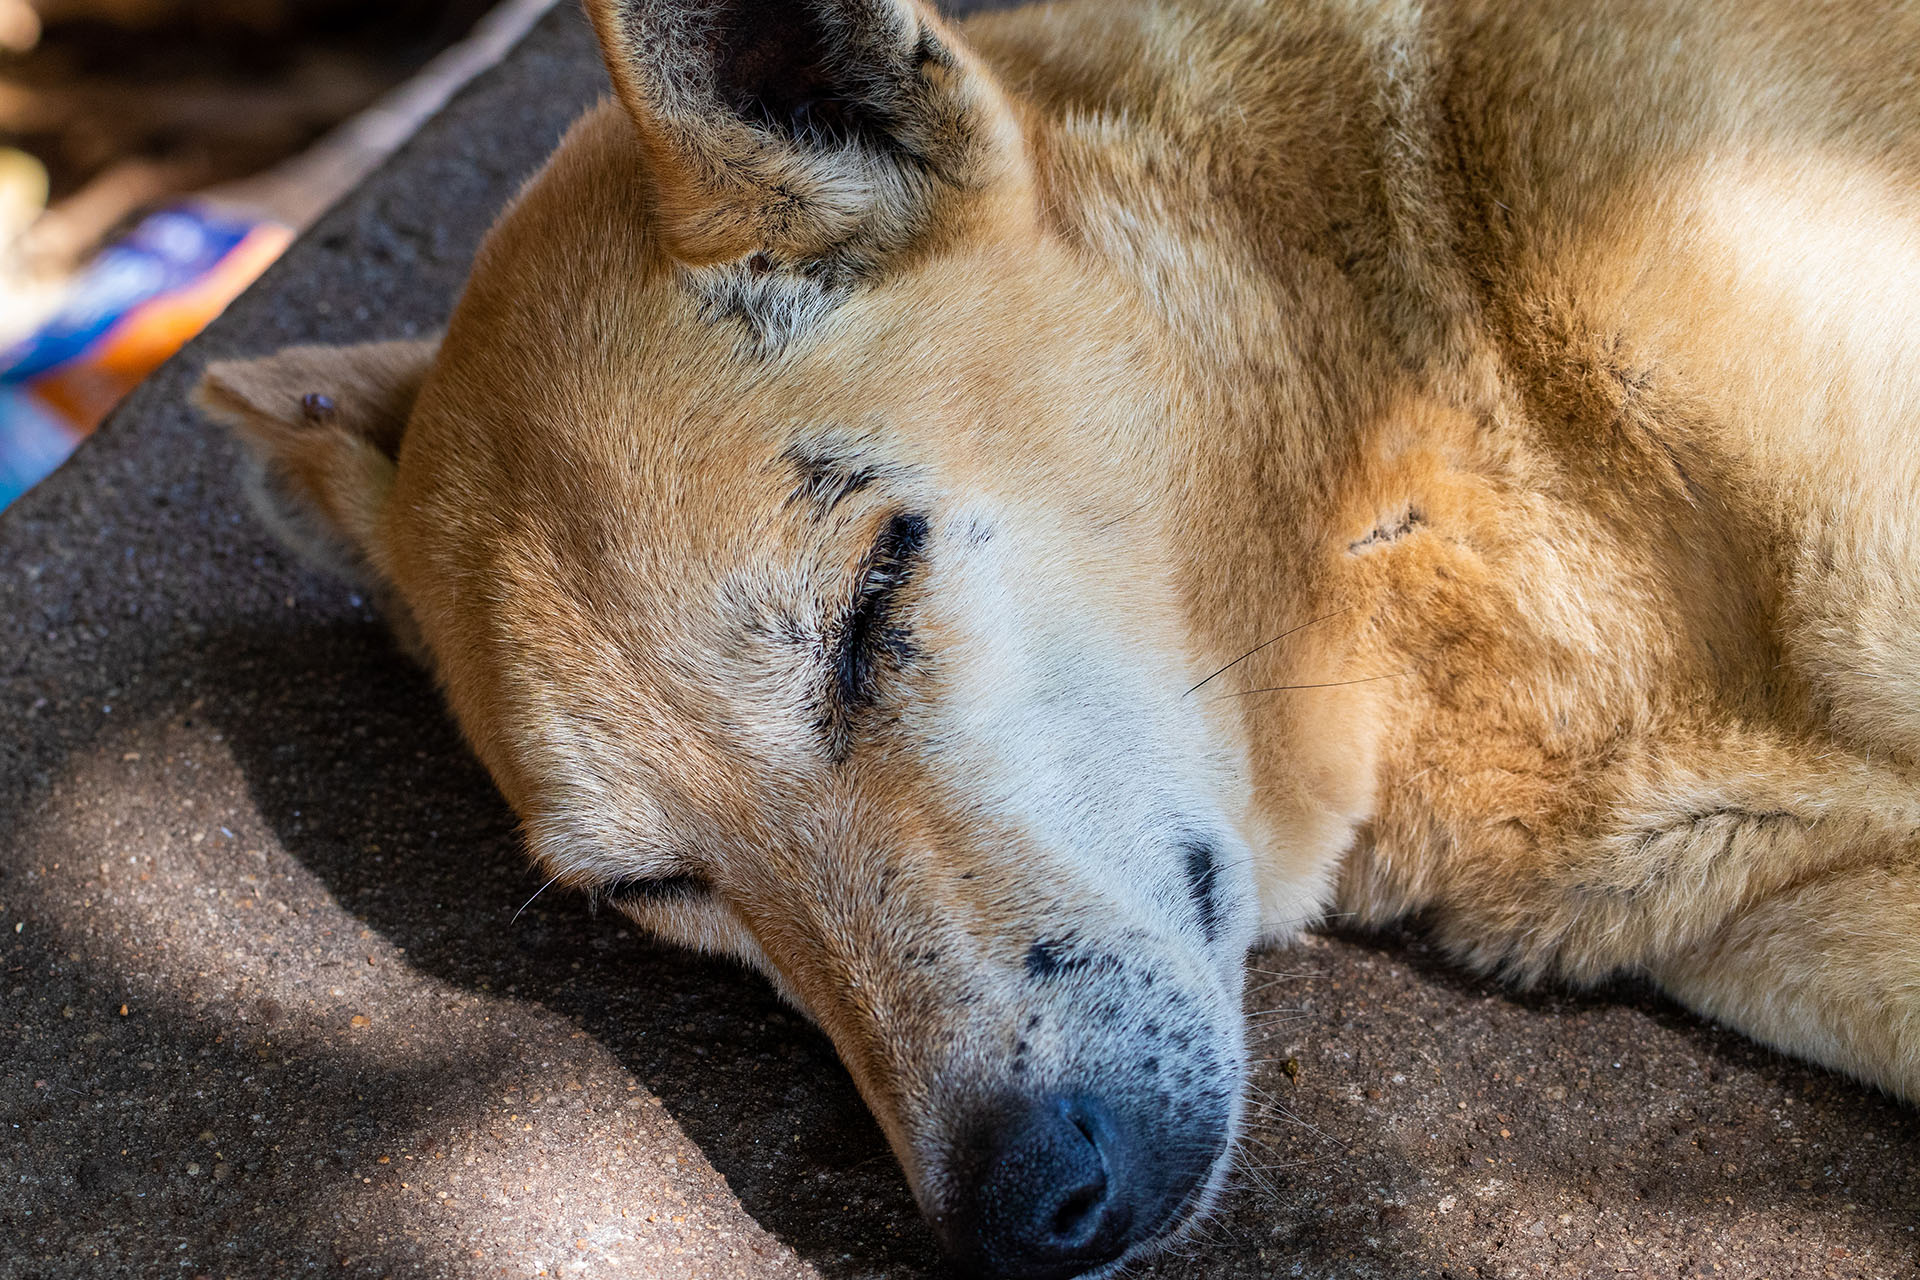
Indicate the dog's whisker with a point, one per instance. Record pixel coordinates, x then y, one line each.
1309 918
1271 1024
1268 643
1321 684
1111 521
1281 1112
1242 1165
536 893
1280 1165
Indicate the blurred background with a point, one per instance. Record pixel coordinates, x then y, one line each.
157 155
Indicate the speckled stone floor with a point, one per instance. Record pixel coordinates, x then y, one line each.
268 1011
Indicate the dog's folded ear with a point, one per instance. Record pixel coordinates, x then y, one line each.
325 425
795 129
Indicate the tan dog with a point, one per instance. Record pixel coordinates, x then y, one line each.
984 525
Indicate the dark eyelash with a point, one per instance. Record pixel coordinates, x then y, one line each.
864 632
670 888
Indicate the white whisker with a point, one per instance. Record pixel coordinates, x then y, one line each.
536 893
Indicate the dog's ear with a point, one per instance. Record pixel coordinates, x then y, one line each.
325 425
793 128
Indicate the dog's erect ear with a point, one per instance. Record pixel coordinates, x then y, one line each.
792 128
325 424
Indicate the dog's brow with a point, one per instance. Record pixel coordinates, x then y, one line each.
825 481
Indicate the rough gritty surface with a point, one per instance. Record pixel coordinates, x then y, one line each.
269 1010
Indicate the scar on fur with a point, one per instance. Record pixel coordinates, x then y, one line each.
1382 533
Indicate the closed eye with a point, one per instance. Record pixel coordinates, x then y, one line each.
636 890
866 633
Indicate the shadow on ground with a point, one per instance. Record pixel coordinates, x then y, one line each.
747 1079
276 830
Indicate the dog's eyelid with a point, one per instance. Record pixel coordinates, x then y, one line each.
656 886
892 555
864 627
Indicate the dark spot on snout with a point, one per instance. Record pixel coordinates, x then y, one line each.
1046 958
1053 957
1203 876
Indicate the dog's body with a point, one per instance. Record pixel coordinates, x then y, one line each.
985 527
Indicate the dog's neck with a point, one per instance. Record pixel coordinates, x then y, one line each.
1289 257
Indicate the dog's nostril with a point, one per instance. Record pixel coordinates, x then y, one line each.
1045 1189
1077 1210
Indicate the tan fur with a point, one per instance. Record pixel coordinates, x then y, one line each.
1533 389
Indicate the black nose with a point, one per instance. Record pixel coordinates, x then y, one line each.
1045 1190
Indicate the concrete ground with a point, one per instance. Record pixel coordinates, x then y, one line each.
268 1010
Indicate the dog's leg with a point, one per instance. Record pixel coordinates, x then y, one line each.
1774 883
1768 880
1827 969
1853 625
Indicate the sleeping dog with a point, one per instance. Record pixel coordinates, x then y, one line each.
986 523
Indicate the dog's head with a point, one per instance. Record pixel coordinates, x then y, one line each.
785 516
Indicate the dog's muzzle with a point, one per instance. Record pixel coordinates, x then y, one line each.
1049 1186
